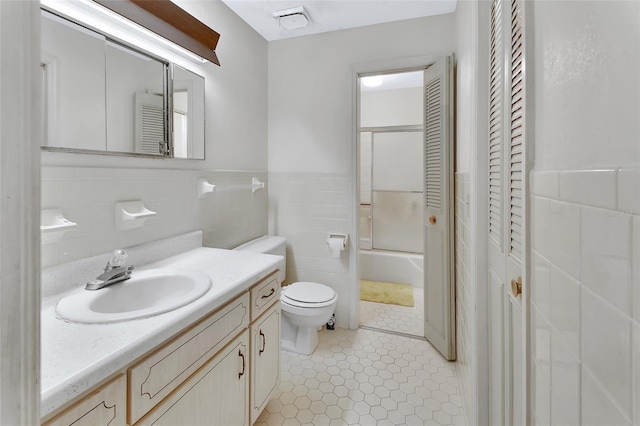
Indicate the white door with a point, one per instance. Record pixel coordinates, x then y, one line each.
439 290
507 195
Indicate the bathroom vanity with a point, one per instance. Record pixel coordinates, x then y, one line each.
214 361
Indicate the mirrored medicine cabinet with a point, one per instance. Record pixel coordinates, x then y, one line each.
104 96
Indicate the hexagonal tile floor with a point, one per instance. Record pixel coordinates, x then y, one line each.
401 319
366 377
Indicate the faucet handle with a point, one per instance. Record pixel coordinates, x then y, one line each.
117 259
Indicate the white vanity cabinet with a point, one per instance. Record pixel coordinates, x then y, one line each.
104 406
221 370
265 359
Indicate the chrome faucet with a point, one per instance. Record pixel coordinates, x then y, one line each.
113 273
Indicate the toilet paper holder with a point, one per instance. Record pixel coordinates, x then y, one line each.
344 237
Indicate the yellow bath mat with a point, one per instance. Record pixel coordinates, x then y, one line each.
391 293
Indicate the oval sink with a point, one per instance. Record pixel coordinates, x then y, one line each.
146 293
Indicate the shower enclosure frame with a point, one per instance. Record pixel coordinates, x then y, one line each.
385 129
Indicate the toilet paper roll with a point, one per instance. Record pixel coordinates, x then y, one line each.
336 245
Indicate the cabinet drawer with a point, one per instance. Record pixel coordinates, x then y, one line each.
105 406
263 295
161 373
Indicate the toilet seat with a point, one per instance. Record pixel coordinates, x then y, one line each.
308 295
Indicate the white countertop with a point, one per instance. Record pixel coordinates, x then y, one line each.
76 357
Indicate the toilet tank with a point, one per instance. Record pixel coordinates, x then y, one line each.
268 244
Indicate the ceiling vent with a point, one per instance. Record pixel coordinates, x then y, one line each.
292 19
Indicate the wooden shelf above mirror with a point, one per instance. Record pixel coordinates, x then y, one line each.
171 22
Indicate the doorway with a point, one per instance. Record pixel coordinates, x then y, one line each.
405 201
391 207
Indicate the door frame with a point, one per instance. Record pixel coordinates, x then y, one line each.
412 63
20 139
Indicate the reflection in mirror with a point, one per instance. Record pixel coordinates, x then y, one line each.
73 72
135 102
105 95
188 114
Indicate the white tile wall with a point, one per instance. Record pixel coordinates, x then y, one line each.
585 297
564 237
636 370
606 255
628 193
541 365
464 298
564 293
304 208
228 217
565 382
606 348
635 268
541 275
597 408
589 187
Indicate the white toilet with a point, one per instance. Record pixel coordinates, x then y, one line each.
306 306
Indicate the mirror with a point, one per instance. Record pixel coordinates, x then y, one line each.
73 73
135 102
102 95
188 114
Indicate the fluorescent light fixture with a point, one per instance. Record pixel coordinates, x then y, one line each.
372 80
140 29
292 19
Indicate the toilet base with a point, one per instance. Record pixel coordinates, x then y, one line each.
305 341
298 339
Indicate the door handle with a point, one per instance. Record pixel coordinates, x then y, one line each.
243 364
264 342
266 296
432 220
516 287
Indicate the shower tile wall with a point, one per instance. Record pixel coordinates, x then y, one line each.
585 294
305 208
88 196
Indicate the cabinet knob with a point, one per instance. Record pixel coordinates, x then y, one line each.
516 287
432 220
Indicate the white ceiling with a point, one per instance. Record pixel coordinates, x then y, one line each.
332 15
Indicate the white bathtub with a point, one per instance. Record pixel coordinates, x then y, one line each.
391 266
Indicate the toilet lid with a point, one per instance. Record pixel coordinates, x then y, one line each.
307 292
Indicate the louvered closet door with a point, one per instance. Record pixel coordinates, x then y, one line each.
150 132
515 220
506 187
496 254
438 246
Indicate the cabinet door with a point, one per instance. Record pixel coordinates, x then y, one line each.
265 359
217 394
159 374
105 406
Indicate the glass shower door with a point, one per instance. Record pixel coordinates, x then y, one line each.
397 202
